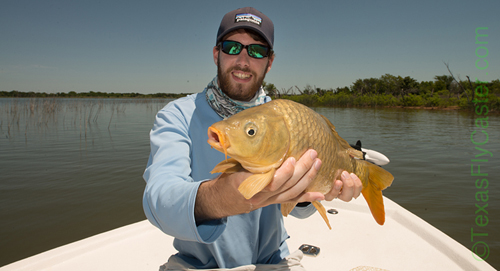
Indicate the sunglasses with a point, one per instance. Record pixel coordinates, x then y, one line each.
254 50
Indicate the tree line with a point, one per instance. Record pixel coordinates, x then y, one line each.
391 90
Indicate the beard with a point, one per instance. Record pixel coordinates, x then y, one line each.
236 91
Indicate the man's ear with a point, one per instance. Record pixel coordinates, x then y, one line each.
216 54
271 59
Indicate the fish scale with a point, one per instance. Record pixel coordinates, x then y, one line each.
281 129
320 139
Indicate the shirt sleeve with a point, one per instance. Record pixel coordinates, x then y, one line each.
303 212
170 193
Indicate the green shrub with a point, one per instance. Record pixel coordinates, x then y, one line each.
413 100
433 100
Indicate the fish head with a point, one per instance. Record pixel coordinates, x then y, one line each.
258 138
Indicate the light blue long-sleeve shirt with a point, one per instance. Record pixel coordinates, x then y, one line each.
180 160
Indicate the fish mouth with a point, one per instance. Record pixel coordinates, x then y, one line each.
217 140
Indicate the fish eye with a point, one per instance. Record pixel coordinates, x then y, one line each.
251 132
250 129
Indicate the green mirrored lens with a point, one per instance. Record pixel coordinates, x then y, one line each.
254 50
231 47
257 51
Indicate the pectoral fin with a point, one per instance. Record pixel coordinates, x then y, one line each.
228 166
322 212
255 183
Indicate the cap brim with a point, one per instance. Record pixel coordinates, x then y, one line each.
245 26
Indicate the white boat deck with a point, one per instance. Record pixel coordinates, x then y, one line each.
405 242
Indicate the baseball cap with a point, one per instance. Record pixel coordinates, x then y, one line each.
247 18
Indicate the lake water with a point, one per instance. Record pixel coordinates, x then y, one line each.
72 168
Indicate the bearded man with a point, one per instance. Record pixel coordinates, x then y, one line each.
213 224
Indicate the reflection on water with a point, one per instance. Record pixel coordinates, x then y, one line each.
39 117
430 153
72 168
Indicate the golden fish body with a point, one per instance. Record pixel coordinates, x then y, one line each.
261 138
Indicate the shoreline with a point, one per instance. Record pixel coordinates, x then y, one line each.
442 108
453 107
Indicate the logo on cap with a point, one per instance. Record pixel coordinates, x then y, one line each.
248 17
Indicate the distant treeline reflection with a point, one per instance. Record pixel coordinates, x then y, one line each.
90 94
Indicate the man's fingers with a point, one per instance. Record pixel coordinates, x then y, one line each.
290 181
351 186
347 192
304 165
300 185
309 197
281 175
358 185
291 172
334 193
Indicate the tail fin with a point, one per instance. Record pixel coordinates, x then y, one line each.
378 180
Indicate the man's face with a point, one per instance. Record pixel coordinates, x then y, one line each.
240 76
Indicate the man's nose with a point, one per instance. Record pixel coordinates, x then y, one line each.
243 58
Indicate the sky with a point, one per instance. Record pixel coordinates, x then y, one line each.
166 46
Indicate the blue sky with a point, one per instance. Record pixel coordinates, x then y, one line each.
166 46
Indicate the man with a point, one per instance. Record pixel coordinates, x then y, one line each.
213 224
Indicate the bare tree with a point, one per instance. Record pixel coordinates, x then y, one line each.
287 92
300 91
458 82
472 88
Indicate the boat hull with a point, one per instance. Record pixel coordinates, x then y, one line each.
404 242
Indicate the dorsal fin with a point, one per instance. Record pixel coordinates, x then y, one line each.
328 122
342 142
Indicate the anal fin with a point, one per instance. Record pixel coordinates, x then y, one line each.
322 212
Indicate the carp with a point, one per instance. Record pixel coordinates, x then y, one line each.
261 138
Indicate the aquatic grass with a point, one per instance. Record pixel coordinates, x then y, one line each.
39 114
30 117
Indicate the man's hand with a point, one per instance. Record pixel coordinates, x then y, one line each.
290 181
348 187
220 197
